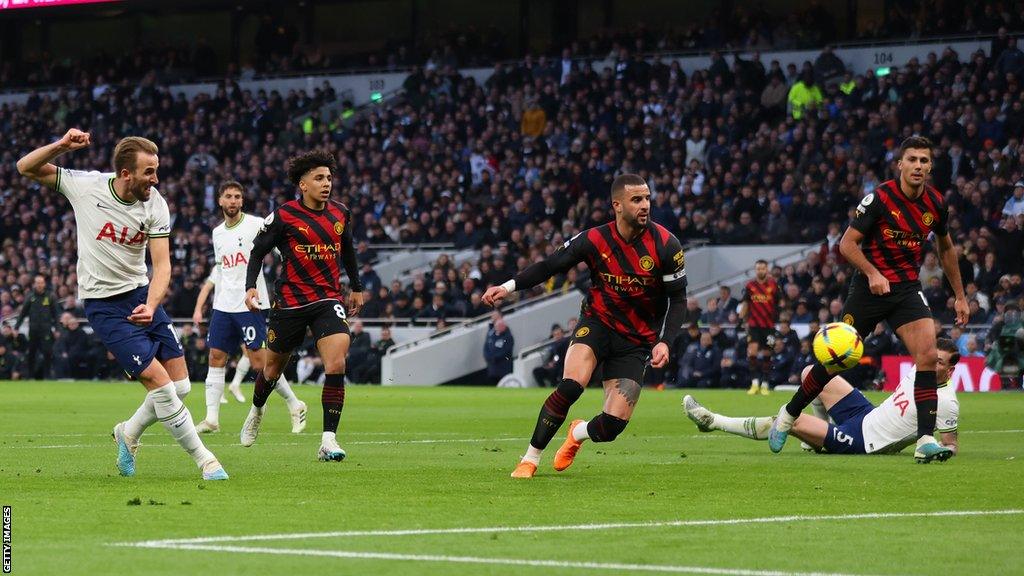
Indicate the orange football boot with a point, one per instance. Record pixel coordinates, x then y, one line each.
567 452
525 469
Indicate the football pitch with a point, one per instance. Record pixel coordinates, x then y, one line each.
426 490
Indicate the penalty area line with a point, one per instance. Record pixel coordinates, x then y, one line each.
618 567
570 527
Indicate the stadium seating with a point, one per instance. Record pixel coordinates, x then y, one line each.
454 162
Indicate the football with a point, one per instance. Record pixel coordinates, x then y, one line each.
838 346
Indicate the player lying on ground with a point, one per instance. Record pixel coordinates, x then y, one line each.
232 323
859 427
314 236
637 300
117 216
885 242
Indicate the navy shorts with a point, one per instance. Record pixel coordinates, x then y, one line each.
133 346
229 329
846 436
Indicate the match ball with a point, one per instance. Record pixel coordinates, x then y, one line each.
838 346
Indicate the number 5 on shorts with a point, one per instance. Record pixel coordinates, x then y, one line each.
842 438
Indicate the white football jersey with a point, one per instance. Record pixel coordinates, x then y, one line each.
892 426
112 234
231 248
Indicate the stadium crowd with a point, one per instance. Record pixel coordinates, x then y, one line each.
738 153
279 48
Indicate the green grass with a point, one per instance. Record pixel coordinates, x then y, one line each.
70 506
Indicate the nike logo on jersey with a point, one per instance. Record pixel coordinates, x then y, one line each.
104 206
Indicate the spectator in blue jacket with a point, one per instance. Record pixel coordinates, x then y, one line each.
498 350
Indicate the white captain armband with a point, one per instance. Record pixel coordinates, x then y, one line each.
673 277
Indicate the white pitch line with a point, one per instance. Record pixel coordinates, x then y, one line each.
494 561
573 527
94 434
368 442
703 436
355 442
98 434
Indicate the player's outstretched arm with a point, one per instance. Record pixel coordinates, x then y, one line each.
849 247
160 253
267 239
348 259
950 266
37 164
674 280
950 440
570 254
204 293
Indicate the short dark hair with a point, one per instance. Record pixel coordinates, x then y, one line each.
947 345
916 143
299 165
761 261
227 185
623 180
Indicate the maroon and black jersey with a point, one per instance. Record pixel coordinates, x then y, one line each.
762 303
631 281
896 227
314 245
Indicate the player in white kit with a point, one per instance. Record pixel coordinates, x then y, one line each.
231 322
117 216
859 427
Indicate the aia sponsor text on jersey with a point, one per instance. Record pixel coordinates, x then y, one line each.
109 232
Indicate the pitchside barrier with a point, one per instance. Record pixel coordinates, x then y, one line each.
969 375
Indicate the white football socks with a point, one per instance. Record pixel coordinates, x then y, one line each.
182 388
533 455
143 418
819 409
755 428
214 390
178 422
241 370
579 433
285 390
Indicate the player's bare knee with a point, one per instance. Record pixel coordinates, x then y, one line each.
926 359
154 376
272 371
805 372
577 375
257 361
334 366
218 358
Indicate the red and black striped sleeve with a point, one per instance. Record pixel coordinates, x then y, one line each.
868 212
268 238
565 257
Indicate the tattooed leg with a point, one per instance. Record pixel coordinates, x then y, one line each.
620 398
